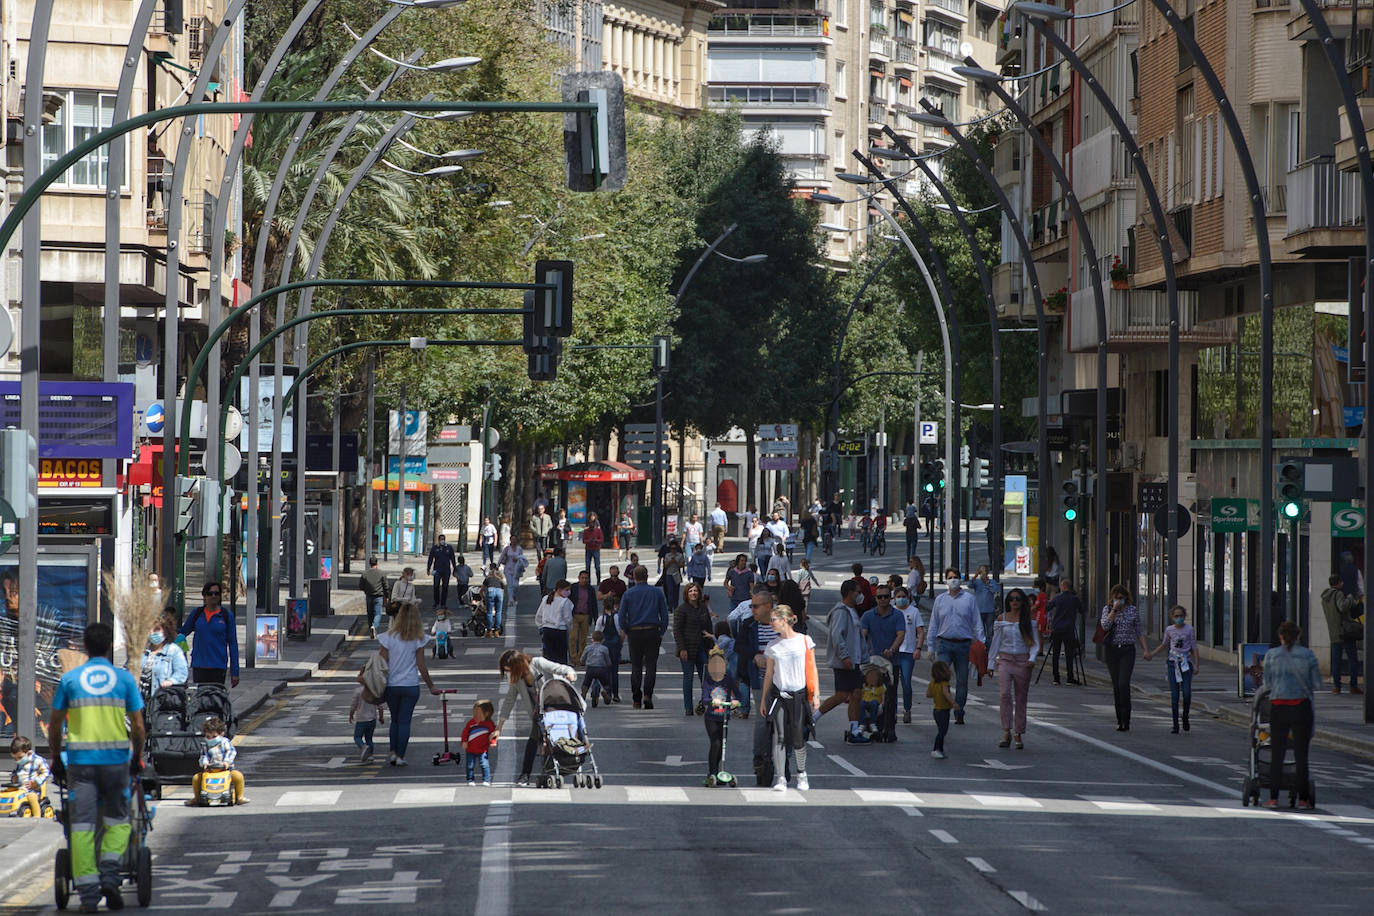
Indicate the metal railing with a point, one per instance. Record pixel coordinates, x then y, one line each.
779 23
905 49
949 6
1320 196
939 60
773 95
877 111
1048 223
880 45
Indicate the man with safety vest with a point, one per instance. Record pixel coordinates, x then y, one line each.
93 701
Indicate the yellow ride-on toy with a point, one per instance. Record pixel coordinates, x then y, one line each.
16 801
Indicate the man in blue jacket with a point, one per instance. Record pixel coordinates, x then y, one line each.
643 621
440 565
214 640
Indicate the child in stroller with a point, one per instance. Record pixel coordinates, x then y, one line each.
567 749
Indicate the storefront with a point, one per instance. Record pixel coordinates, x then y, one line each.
603 488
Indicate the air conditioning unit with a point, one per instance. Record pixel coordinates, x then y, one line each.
1130 454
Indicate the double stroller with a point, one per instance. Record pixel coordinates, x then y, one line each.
567 750
176 723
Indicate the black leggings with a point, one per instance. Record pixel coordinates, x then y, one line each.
715 733
1121 663
1281 719
531 748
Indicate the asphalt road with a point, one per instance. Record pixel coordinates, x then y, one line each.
1084 820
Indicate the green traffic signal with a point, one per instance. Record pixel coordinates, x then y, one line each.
929 487
1070 514
1290 509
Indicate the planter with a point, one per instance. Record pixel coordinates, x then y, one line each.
1121 284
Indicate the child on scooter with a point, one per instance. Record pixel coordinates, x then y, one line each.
219 755
31 774
476 739
722 695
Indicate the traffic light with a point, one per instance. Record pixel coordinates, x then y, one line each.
1290 489
963 455
1071 500
553 311
186 493
494 466
939 473
720 459
927 477
981 478
594 148
18 465
663 346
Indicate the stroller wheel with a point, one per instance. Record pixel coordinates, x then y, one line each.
1246 789
597 779
62 889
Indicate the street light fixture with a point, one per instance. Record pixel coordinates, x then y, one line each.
441 171
855 178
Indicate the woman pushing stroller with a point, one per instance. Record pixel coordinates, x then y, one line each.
526 675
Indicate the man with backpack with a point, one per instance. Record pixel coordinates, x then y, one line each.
1345 632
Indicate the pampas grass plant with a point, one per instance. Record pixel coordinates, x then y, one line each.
137 607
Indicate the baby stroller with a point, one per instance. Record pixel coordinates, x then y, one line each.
567 749
885 730
1258 778
476 624
176 725
137 865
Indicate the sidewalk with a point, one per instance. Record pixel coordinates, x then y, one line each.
26 843
1340 722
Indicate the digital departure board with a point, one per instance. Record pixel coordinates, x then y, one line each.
77 419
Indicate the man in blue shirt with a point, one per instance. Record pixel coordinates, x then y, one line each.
93 702
883 627
643 621
718 522
441 562
954 624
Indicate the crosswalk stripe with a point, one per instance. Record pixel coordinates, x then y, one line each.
435 795
540 795
656 794
888 796
324 798
768 795
1122 803
1005 801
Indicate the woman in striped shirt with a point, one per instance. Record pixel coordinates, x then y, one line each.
1121 620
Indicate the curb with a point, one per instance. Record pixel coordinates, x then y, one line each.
1332 741
37 851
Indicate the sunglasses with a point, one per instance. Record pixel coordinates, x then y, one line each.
882 597
214 593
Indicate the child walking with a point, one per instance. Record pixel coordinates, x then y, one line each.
596 660
219 755
938 691
364 716
477 739
608 625
721 693
31 773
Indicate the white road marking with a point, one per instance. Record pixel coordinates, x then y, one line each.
309 799
1005 801
1124 803
662 795
541 795
1350 810
768 795
887 797
909 811
1027 901
493 881
847 766
980 864
1229 791
943 836
439 795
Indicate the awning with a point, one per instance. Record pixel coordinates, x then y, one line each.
596 472
878 73
412 485
904 81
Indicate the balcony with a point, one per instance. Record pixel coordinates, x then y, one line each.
906 52
1009 48
1101 163
1139 319
809 168
877 112
1325 209
1300 27
1006 159
954 10
1049 224
775 23
941 61
879 47
769 96
1049 86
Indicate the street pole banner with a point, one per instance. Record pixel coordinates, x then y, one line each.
778 431
266 393
417 432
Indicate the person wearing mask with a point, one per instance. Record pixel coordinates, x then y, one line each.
214 640
1064 610
403 595
985 592
914 631
691 629
755 634
954 625
779 564
1181 642
1293 678
1121 620
845 651
1345 632
643 621
440 565
1015 643
374 588
164 664
584 607
486 537
718 522
552 620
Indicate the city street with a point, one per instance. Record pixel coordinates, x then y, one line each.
1083 820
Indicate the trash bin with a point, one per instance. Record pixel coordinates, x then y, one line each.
319 598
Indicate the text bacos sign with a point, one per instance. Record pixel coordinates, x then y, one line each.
69 473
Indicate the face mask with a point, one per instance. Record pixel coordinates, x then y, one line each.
953 584
900 602
1178 621
772 580
155 638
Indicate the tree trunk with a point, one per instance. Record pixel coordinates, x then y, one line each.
750 493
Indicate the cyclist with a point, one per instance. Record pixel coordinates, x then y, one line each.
865 531
880 532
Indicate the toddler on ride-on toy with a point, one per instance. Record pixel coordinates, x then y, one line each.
217 781
27 793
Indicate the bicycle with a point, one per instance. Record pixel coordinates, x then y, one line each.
828 540
879 544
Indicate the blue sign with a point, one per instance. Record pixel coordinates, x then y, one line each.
1342 354
1354 416
416 465
77 419
412 422
153 417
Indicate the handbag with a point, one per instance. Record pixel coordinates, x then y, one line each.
1100 634
373 678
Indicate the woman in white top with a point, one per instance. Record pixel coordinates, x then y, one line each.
526 674
790 667
553 618
755 529
403 647
778 562
1014 647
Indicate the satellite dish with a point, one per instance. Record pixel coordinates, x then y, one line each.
966 50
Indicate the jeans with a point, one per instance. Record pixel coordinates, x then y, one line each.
1180 682
743 695
1351 649
906 664
1013 686
615 669
512 584
495 597
475 759
441 589
98 803
955 654
912 543
810 546
941 728
379 614
692 671
1281 719
644 645
1066 641
363 732
594 557
624 539
671 590
401 701
488 552
1120 664
869 711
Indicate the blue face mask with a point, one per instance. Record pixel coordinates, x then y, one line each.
155 638
1178 621
900 602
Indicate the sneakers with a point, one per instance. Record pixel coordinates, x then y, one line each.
471 783
365 756
113 899
1006 739
638 704
701 709
780 784
851 738
401 762
391 758
1271 803
487 783
243 800
803 784
648 704
690 713
938 755
1020 745
906 717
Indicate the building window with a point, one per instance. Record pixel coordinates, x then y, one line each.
842 13
877 17
840 75
82 115
985 27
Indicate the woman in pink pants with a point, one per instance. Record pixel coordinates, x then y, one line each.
1013 649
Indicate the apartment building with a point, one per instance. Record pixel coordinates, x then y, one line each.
826 76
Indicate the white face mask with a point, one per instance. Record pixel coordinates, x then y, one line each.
953 585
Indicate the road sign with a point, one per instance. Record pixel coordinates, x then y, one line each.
451 434
416 431
415 465
778 431
451 475
1057 438
1185 520
154 417
233 424
1230 516
1347 521
852 448
778 447
233 459
1151 497
778 463
930 432
645 429
450 454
